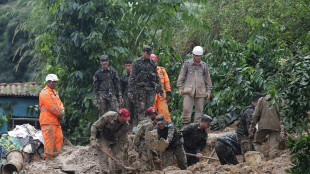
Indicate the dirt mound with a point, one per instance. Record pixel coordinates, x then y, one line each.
73 159
276 166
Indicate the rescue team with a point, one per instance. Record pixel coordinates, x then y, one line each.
144 92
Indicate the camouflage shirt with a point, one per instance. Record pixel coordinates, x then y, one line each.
108 127
106 82
141 138
171 134
124 84
194 137
144 75
245 120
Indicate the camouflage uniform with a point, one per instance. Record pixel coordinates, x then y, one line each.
175 146
106 86
144 83
113 139
195 139
128 103
242 129
142 143
227 147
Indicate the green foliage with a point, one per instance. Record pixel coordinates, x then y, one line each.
300 150
8 111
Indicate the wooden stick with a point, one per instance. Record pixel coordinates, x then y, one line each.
118 162
212 153
190 154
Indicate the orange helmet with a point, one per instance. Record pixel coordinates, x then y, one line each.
153 57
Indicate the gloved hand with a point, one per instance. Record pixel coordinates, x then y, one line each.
161 93
94 144
180 91
121 101
169 96
251 132
130 95
61 116
95 102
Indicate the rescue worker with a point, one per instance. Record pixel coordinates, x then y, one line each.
268 124
142 142
128 104
110 133
52 113
161 102
106 87
227 147
144 82
195 138
173 138
244 124
195 77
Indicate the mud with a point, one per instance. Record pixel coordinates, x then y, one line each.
84 159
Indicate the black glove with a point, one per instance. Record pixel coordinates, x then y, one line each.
169 96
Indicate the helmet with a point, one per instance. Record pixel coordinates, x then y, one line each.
160 119
206 118
124 113
51 77
104 59
198 51
151 110
153 57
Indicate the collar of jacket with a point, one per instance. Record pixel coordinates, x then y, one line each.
191 62
50 89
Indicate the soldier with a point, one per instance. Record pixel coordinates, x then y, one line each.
110 133
106 87
244 124
227 147
144 82
195 138
161 102
173 138
197 85
124 89
142 142
268 124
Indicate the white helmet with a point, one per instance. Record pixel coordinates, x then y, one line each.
198 51
51 77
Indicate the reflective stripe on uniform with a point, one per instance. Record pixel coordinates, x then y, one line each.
43 109
52 108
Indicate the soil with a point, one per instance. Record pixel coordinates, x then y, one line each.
84 159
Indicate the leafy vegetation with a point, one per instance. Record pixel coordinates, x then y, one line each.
250 46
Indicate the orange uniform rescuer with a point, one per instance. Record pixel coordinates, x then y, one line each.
52 113
161 102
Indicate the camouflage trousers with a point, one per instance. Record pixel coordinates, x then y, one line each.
180 155
245 143
225 153
128 104
191 159
107 103
143 99
115 149
146 159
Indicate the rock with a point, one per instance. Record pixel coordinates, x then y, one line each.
253 157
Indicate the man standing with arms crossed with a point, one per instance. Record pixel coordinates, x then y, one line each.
197 85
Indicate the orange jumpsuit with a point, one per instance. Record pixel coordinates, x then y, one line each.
161 103
50 106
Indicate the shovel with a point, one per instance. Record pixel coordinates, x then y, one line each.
190 154
119 163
